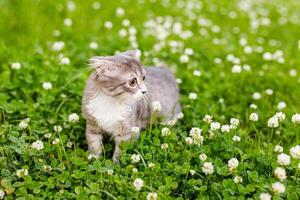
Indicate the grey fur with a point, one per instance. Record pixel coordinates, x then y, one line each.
108 92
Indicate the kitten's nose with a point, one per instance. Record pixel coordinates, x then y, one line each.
144 91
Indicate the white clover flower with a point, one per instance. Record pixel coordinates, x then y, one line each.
293 72
243 41
47 135
248 49
120 11
178 81
108 25
91 156
71 6
132 31
122 32
38 145
180 115
236 138
283 159
269 92
56 141
135 170
165 132
96 5
225 128
215 126
256 96
138 184
93 45
2 194
65 61
198 140
267 56
281 105
73 117
278 187
152 196
265 196
278 149
197 73
207 119
234 122
47 168
47 85
253 106
232 164
218 60
126 22
171 122
68 22
156 106
296 118
151 165
295 152
192 172
202 157
273 122
230 57
58 46
24 123
110 172
238 179
57 128
164 146
135 130
189 51
253 117
135 158
189 140
15 66
280 173
195 131
69 144
192 96
207 168
236 69
247 67
280 116
22 172
184 58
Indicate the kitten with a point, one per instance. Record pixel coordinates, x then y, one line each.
119 95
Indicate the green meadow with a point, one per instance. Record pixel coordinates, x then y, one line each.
237 64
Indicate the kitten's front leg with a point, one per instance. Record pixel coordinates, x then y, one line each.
122 134
94 140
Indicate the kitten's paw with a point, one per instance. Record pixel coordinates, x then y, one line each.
91 156
116 159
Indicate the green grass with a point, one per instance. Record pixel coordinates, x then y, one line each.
26 36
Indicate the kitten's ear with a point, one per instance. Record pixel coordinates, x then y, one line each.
133 53
101 65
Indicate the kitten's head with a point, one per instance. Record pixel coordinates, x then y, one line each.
120 76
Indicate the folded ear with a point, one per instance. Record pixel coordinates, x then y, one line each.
133 53
102 65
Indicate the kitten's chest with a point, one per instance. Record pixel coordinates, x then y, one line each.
108 113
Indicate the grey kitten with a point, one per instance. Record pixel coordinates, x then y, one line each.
118 99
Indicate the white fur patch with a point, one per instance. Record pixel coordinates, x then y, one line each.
108 111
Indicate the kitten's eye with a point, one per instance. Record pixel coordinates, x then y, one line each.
144 78
133 82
